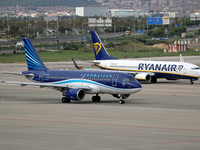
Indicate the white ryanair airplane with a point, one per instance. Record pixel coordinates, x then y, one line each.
147 71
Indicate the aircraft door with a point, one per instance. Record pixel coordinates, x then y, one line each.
184 71
114 80
41 76
83 79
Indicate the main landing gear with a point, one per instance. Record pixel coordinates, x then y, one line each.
153 79
96 98
65 100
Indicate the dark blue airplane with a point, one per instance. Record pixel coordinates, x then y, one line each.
75 84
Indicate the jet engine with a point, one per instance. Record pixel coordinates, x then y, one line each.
143 77
75 94
124 96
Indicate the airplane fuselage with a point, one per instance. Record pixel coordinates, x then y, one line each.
98 81
167 69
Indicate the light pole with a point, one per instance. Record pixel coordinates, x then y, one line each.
134 24
8 25
114 28
82 28
143 26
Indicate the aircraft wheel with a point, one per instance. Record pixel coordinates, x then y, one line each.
68 100
191 81
96 98
65 100
121 101
153 80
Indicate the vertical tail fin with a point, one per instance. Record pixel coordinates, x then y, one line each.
75 64
33 60
99 49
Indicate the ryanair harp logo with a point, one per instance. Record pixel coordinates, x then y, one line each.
97 47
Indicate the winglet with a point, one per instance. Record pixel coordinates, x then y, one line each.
77 67
99 49
33 60
181 58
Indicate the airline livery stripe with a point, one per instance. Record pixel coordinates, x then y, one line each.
32 57
144 71
91 82
32 60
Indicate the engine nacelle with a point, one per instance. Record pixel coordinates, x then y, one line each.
143 77
124 96
75 94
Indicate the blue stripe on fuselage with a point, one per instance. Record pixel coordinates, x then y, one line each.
91 82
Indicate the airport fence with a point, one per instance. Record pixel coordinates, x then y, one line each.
41 48
50 40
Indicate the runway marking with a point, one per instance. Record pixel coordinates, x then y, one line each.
170 94
177 142
8 97
100 124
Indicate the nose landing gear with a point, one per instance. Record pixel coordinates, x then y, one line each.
191 81
121 101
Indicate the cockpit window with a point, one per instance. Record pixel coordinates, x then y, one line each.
196 68
124 80
129 79
133 79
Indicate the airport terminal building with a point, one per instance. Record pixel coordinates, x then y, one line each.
92 11
108 13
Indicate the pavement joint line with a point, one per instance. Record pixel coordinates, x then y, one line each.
101 124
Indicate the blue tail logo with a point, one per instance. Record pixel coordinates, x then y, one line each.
99 49
33 60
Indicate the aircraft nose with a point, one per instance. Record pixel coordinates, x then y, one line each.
198 73
138 85
135 85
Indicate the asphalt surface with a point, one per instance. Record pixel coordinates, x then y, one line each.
163 116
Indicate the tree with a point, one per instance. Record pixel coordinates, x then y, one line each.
198 32
177 31
157 33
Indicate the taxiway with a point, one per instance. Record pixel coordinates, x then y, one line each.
163 116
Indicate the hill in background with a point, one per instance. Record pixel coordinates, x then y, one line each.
50 3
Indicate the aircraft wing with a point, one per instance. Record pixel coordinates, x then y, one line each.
12 73
51 85
181 58
133 73
19 74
